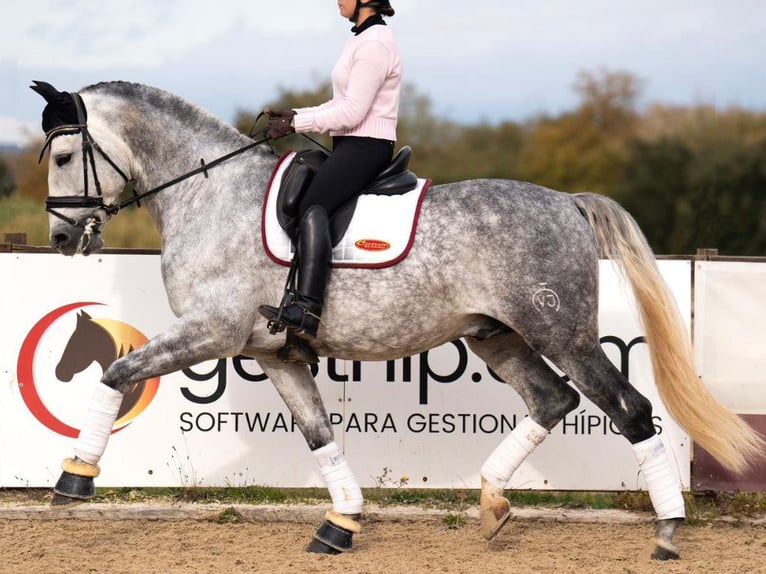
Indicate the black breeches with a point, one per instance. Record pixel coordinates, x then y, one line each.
353 163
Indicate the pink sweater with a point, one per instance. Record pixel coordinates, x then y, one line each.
366 82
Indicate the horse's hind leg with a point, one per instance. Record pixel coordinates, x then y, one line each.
548 399
593 373
299 391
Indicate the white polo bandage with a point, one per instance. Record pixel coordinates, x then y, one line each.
99 420
344 490
510 453
661 481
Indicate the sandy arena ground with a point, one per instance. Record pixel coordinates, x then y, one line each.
108 541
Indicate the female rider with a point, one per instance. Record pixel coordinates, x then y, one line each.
361 118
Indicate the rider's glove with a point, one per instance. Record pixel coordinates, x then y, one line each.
280 123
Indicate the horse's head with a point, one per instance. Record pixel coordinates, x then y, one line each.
85 179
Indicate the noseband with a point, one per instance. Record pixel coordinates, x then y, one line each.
92 223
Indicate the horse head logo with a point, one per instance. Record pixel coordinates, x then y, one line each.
94 340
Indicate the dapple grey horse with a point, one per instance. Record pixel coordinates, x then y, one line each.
481 251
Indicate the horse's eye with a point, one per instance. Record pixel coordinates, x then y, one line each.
63 159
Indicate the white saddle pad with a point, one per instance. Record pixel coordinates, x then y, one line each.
380 233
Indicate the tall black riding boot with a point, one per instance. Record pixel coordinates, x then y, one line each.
314 253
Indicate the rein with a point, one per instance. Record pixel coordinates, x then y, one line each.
91 224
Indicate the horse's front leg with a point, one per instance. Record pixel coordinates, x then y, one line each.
191 340
299 391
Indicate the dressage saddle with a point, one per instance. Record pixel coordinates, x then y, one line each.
395 179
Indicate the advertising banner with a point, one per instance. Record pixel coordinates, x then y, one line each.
426 421
730 332
730 352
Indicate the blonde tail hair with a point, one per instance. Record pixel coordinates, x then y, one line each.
717 429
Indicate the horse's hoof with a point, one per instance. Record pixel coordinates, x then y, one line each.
74 487
665 549
662 553
493 519
495 509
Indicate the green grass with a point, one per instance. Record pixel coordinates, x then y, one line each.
16 206
702 508
229 516
20 214
214 495
454 521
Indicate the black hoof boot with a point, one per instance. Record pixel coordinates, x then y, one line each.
73 489
331 538
61 501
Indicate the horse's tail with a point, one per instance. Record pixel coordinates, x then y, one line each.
717 429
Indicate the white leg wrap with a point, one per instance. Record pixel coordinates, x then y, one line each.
344 490
95 432
510 453
661 480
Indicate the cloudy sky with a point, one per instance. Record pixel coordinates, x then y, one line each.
486 60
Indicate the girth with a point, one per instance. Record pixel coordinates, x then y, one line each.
395 179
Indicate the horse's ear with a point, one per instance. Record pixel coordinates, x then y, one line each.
83 316
51 94
60 111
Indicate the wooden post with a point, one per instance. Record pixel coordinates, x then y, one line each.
17 238
706 253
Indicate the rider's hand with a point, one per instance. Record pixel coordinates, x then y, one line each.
280 123
280 126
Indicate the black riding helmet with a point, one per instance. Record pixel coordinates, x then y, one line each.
380 6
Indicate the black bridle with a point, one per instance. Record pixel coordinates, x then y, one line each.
91 224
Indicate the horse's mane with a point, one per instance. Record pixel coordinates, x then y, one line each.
165 102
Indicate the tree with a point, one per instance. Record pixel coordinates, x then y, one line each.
655 178
418 127
584 150
7 179
472 152
31 176
700 183
726 208
608 100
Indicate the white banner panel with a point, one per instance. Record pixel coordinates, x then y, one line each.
730 332
424 421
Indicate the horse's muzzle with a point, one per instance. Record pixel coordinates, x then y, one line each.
70 240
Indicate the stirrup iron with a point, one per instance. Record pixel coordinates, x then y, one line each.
277 325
